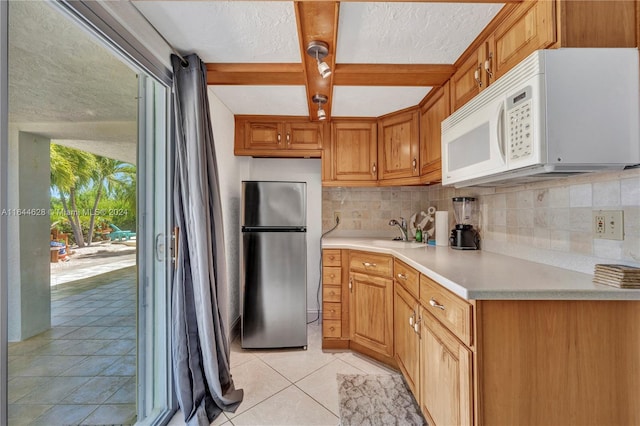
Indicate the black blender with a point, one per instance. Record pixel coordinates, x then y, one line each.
464 236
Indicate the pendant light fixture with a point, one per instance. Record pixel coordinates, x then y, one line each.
320 100
319 50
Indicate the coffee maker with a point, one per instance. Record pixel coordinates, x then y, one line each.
464 236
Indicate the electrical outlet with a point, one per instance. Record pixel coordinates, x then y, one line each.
336 217
608 224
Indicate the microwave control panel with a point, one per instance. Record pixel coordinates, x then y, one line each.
520 124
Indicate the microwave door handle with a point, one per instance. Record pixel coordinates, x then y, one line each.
500 131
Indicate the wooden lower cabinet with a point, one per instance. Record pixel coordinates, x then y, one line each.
335 299
371 312
405 337
486 362
446 382
558 362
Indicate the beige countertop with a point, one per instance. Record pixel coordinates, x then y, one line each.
478 274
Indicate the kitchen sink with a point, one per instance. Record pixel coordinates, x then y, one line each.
397 244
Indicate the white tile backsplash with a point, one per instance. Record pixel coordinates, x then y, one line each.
606 194
548 222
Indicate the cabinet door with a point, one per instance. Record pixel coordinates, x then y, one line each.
303 135
530 27
432 113
469 79
355 151
398 146
446 376
371 312
263 135
405 338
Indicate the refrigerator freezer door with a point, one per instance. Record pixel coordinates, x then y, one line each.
274 288
274 204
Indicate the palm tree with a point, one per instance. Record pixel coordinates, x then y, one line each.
108 175
70 170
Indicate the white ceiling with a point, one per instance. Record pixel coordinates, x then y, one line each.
265 31
60 75
66 86
360 101
409 33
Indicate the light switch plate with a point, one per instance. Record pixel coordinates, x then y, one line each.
608 224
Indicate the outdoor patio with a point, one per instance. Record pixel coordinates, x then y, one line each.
83 370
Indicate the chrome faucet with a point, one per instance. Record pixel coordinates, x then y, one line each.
403 227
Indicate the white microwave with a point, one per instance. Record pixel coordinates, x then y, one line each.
557 113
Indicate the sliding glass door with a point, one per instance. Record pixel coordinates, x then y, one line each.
154 255
151 140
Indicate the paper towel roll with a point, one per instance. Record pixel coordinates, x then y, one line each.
442 228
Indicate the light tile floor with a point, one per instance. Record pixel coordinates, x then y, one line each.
81 371
290 387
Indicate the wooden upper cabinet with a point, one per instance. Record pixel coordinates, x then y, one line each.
354 151
399 145
432 113
469 79
304 135
263 134
603 23
530 27
278 137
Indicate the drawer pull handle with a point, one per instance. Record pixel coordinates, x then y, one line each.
402 276
368 264
433 302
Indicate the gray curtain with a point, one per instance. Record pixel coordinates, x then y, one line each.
200 351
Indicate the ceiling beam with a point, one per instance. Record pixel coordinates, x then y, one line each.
392 74
317 21
255 74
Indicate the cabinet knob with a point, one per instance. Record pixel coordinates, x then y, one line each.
373 169
288 139
369 265
415 163
401 276
279 138
433 302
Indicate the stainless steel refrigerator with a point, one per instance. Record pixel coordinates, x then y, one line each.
273 271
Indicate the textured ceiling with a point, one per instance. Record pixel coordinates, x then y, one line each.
64 84
409 33
222 31
268 100
360 101
266 31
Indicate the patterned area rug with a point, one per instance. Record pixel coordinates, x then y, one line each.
372 400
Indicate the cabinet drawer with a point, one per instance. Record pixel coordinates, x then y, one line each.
408 277
331 328
452 311
331 257
331 293
332 310
371 263
331 275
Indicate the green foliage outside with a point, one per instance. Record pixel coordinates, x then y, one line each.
89 192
